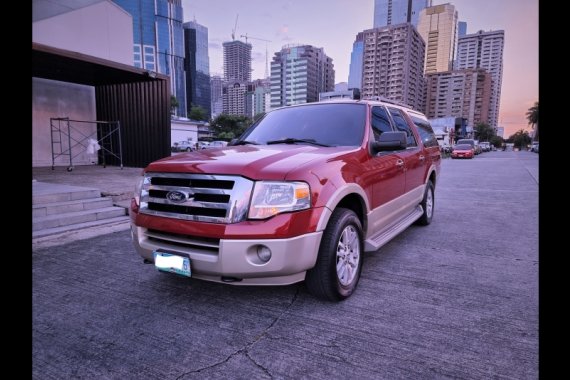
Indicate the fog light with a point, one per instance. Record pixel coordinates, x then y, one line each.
263 253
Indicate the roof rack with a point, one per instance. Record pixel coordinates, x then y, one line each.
386 100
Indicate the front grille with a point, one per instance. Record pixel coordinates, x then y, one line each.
199 197
186 242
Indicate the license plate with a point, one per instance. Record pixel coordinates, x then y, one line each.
167 262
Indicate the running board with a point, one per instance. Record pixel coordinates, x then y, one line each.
375 242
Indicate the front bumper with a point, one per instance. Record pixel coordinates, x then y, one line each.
235 261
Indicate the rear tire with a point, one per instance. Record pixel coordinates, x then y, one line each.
339 263
428 204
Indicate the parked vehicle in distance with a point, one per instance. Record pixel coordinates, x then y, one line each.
485 146
203 144
183 146
300 196
471 142
217 144
534 147
462 151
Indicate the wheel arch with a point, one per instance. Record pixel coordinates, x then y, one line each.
432 175
351 197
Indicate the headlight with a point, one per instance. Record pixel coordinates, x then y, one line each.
271 198
138 189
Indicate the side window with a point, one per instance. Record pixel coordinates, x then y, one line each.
380 121
425 131
402 125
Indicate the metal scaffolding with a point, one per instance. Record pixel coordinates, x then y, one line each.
107 135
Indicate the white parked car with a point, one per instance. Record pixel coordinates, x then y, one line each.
217 144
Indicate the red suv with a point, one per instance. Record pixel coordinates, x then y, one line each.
301 195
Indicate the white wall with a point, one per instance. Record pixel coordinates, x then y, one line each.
60 99
183 131
102 30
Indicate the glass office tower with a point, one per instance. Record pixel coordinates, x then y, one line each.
158 41
197 67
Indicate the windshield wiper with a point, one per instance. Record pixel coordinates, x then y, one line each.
245 142
293 141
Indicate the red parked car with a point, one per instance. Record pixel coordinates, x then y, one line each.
462 151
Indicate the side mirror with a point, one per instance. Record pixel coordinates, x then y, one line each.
389 141
232 142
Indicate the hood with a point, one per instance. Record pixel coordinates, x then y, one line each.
270 162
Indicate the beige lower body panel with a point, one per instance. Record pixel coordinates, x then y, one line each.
383 217
236 261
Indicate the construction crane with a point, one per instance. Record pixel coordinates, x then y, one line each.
266 50
234 29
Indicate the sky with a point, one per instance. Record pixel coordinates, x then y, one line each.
333 25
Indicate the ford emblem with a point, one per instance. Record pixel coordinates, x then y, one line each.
176 196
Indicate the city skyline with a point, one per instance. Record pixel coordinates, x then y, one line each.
334 24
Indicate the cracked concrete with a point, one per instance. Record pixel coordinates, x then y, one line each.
245 350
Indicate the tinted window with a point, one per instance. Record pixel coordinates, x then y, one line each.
402 125
466 141
425 131
329 124
380 121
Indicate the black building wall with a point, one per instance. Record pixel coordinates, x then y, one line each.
143 110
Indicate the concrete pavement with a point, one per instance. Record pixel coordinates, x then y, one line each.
456 299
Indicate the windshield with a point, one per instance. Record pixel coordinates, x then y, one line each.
323 124
463 147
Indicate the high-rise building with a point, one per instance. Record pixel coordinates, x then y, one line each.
261 97
484 50
197 67
393 65
216 85
237 76
237 61
234 99
298 74
461 28
392 12
355 68
158 41
257 97
459 93
438 27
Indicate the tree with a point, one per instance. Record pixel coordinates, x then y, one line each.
258 116
484 132
227 127
197 113
173 104
532 117
497 141
520 139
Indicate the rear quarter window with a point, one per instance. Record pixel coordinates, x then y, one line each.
425 131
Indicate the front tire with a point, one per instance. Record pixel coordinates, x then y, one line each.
339 263
428 204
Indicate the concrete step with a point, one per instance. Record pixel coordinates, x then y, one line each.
45 209
87 226
49 193
71 218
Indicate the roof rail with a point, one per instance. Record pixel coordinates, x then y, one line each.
386 100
